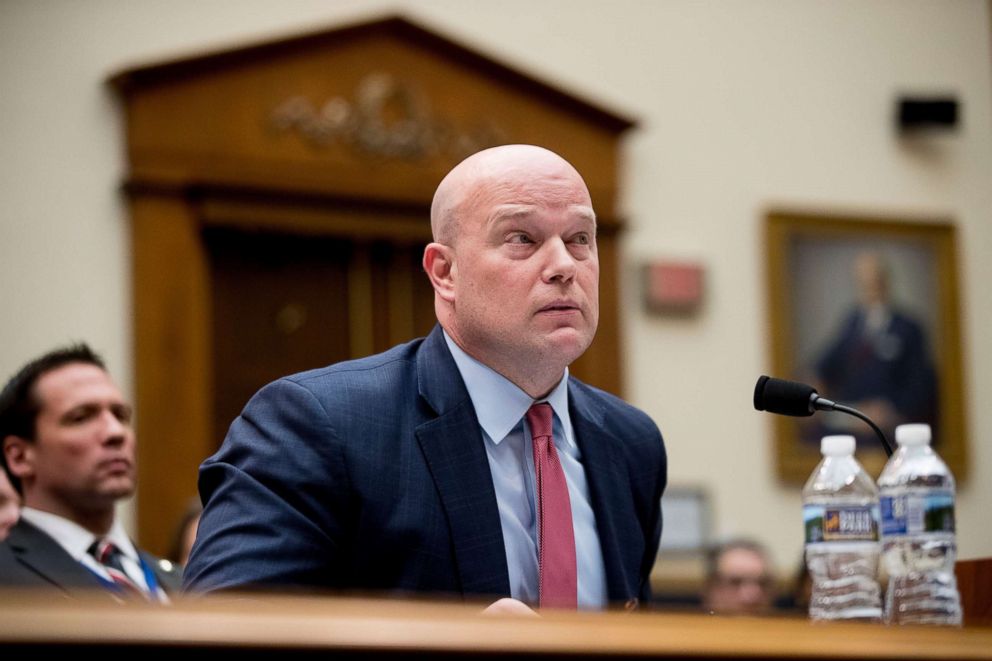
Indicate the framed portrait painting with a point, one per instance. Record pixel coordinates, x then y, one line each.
866 310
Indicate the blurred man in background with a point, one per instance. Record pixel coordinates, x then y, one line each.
68 448
739 579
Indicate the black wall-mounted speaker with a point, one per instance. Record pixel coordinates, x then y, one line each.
931 113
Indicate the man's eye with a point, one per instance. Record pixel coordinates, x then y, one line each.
582 239
518 238
79 416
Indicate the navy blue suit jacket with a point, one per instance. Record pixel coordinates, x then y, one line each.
372 475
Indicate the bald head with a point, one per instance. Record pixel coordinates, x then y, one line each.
486 172
514 263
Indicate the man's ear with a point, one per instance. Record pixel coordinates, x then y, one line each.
439 263
19 453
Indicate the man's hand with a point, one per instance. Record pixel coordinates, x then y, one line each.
507 606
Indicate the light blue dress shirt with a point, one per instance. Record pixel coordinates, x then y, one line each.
500 407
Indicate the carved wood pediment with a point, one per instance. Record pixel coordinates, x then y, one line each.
387 97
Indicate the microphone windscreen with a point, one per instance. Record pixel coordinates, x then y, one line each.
784 397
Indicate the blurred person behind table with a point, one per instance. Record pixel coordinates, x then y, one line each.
185 533
739 579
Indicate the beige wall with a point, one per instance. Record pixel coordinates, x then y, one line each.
744 106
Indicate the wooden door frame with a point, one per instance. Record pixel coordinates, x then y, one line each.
183 178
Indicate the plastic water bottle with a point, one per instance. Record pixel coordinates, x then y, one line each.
918 544
840 513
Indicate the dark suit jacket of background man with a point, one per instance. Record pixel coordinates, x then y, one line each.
29 558
371 475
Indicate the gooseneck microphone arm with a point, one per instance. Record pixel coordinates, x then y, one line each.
798 399
878 432
822 404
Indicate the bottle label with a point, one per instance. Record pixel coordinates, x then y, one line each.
914 513
825 523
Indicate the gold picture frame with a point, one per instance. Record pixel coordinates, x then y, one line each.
821 271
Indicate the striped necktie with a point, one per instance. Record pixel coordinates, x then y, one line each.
109 556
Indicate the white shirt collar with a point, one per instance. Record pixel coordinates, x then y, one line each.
499 403
75 539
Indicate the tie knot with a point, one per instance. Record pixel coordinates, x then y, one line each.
539 419
104 551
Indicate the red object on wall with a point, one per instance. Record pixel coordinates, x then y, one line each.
673 286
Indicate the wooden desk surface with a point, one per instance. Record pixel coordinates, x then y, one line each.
206 627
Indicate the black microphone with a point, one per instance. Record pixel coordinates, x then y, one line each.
788 397
798 399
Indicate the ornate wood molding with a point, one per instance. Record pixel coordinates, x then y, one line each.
386 118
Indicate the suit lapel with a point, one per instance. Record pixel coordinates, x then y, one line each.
45 557
609 493
169 579
453 447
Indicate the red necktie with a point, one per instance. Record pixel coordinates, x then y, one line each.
556 556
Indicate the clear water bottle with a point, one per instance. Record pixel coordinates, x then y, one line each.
840 513
918 544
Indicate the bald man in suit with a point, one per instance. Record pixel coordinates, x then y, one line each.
414 471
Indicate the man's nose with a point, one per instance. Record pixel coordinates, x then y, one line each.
751 592
560 262
114 430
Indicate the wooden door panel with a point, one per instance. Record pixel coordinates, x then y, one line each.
284 303
280 305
